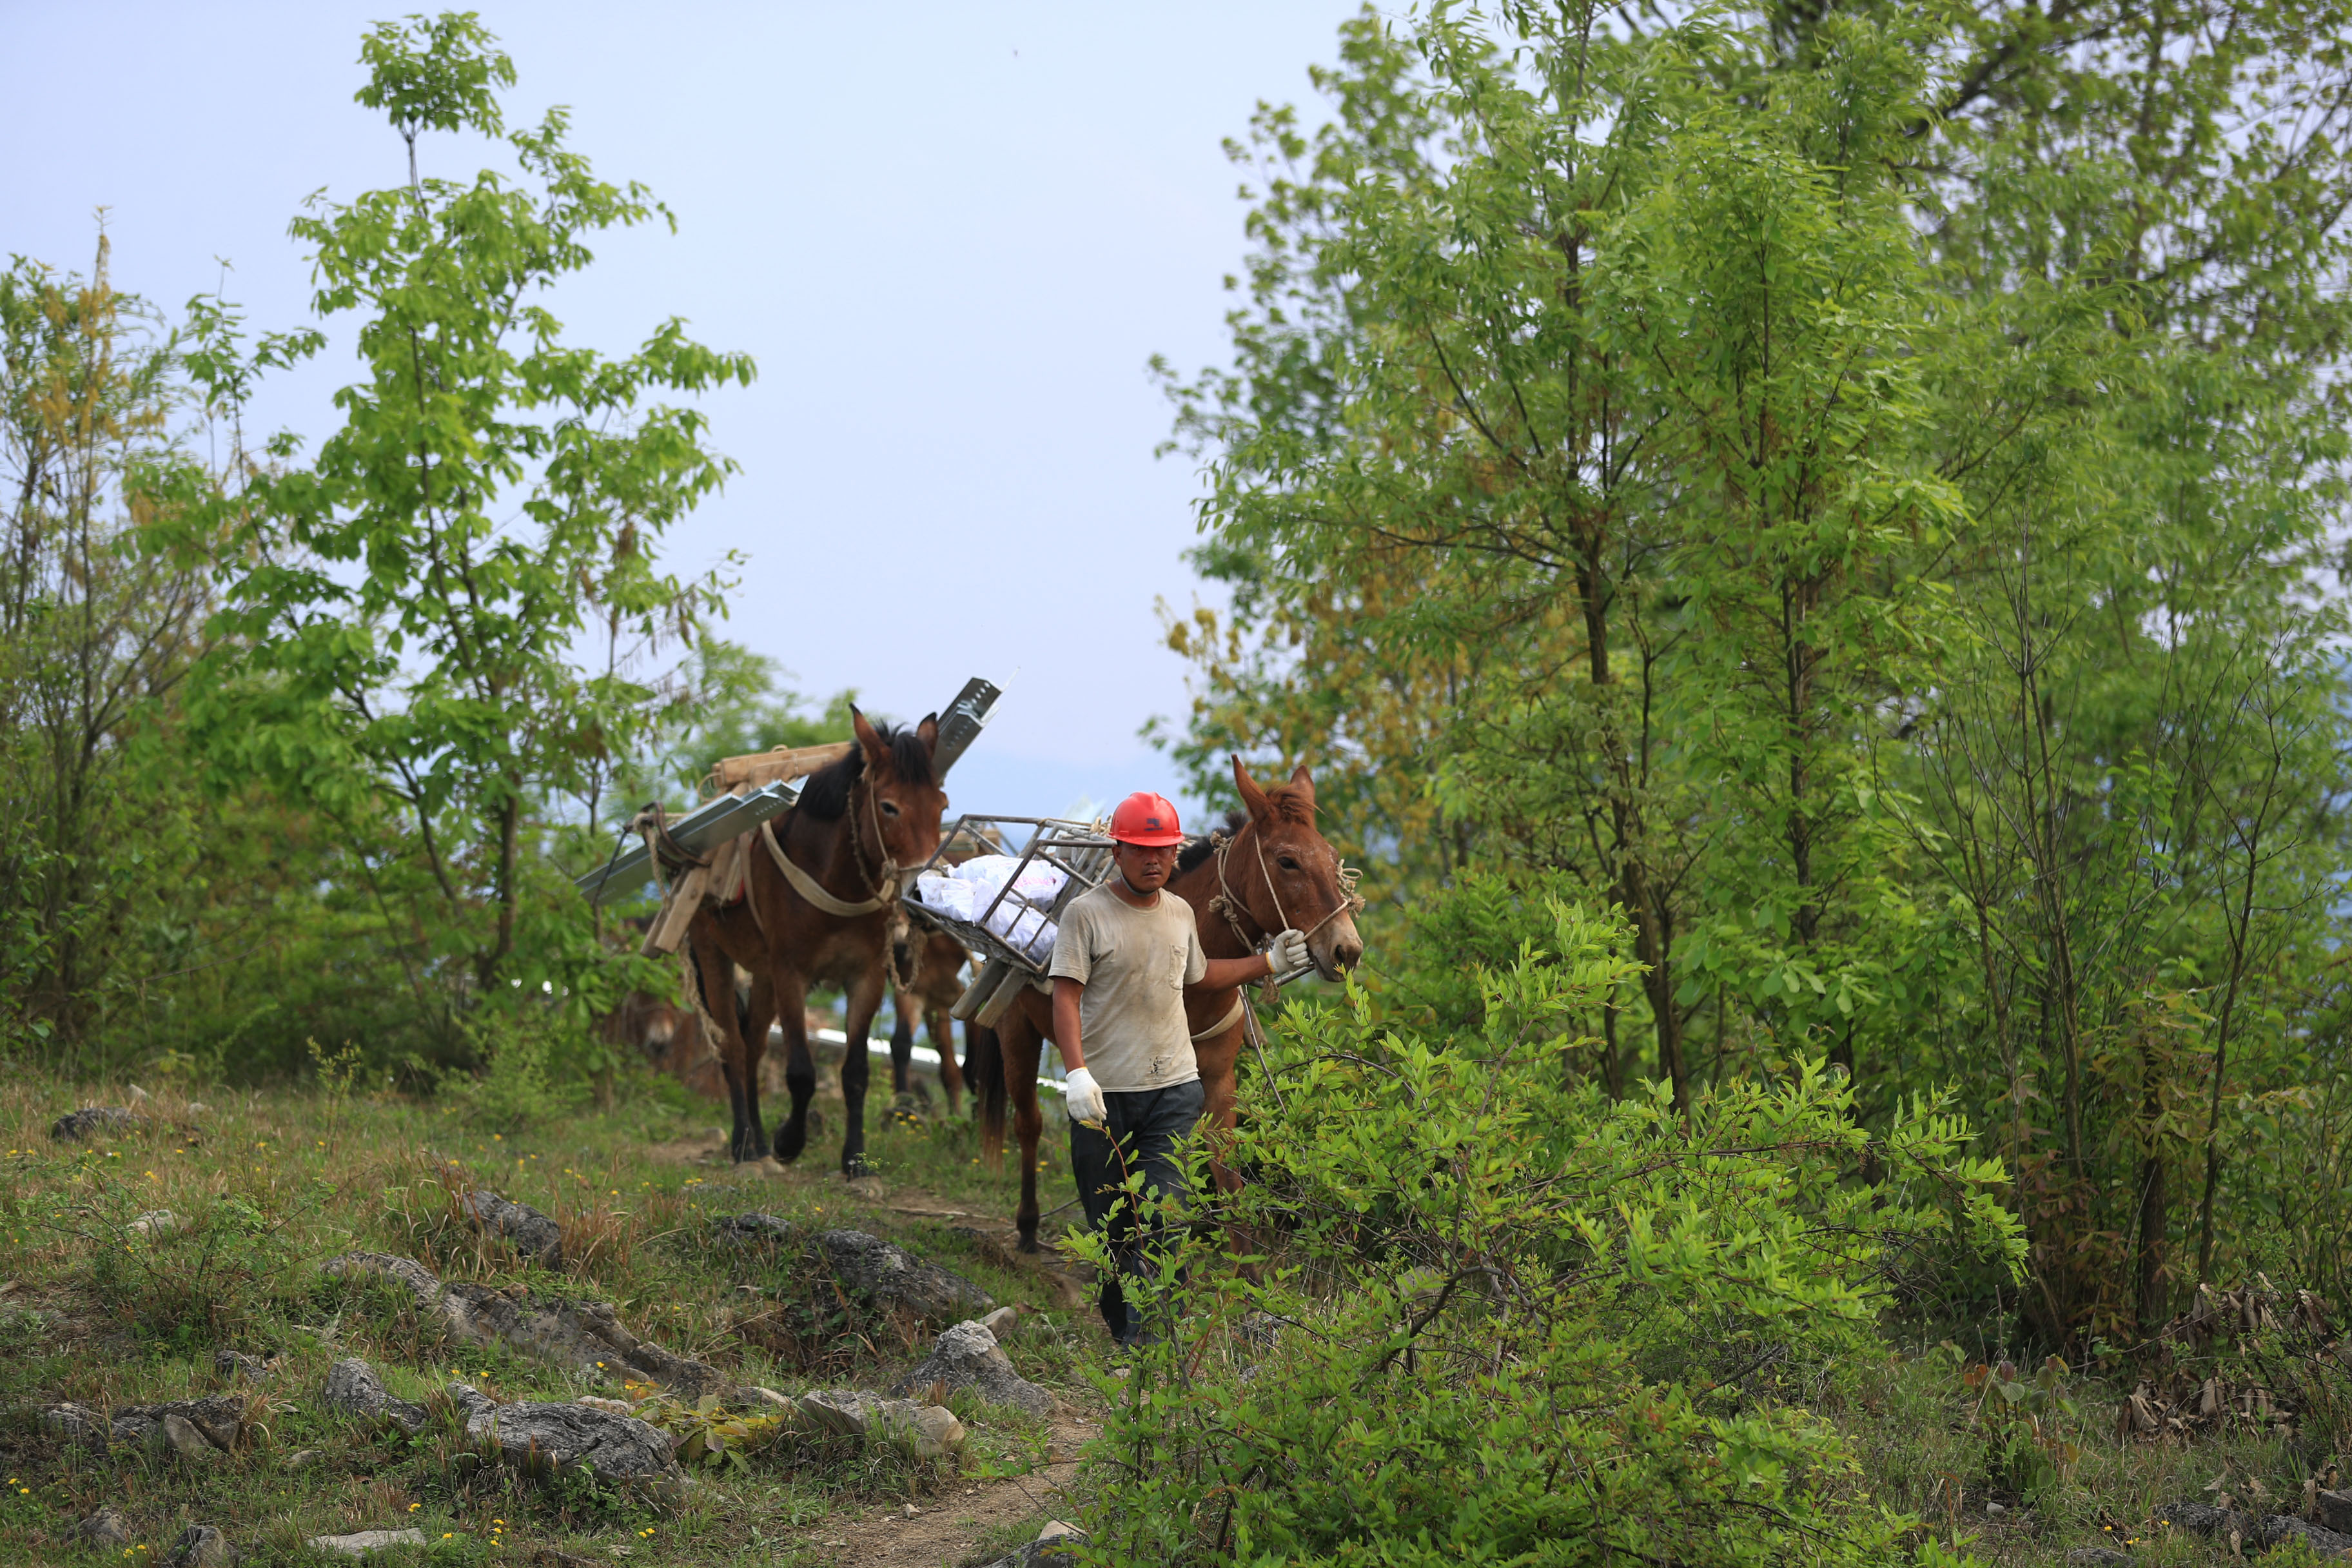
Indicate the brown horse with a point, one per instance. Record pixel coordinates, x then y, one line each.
1275 870
826 920
933 963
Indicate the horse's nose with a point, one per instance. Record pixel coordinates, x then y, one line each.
1346 950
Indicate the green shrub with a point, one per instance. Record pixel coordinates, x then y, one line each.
1502 1318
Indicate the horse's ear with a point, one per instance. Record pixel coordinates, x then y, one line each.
869 740
1260 808
1302 785
928 732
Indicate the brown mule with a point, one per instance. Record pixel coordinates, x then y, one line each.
859 824
935 961
1275 869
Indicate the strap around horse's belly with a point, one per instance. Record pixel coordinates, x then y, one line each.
1240 1002
807 886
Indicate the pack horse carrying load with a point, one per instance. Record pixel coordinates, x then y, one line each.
791 870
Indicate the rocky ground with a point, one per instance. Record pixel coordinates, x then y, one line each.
265 1327
287 1327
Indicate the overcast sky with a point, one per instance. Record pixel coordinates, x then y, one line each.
951 233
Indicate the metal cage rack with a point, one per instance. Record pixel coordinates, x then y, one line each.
1081 850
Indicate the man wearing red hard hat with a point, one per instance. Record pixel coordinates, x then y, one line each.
1124 954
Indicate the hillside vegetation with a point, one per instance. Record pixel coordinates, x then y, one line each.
1804 548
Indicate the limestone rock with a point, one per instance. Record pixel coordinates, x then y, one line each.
251 1368
202 1546
2260 1534
154 1223
138 1096
891 1278
421 1283
2278 1529
1061 1530
301 1458
105 1527
582 1336
181 1436
198 1108
1002 1322
529 1232
353 1389
753 1230
470 1400
365 1541
2333 1510
936 1432
968 1356
848 1411
91 1121
539 1438
597 1401
219 1417
928 1431
77 1424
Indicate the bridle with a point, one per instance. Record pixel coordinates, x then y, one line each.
1233 908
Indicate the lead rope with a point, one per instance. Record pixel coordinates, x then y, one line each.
883 883
1231 909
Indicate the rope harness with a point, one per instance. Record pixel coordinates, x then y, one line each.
1234 911
652 825
1233 908
882 880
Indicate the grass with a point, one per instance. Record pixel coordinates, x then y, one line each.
266 1186
263 1186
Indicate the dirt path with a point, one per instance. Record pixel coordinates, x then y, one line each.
941 1533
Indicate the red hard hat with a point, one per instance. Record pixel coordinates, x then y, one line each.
1146 818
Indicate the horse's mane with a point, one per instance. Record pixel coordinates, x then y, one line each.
826 794
1196 850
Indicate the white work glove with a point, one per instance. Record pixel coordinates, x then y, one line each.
1289 952
1082 1096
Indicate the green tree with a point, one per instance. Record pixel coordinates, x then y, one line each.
95 636
1751 474
401 615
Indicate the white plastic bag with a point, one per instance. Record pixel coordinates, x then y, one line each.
946 894
1024 928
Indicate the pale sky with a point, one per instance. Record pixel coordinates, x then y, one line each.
951 234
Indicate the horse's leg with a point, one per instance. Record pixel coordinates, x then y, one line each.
903 1006
942 1026
860 1002
1218 1112
1219 1118
752 1018
712 974
1018 1039
800 1068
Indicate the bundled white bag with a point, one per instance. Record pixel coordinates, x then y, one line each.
1027 929
946 894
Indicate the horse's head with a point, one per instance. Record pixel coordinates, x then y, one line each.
1290 873
907 796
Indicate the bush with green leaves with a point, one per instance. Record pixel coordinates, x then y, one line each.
1499 1317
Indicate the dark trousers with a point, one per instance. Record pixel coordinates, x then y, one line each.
1141 1131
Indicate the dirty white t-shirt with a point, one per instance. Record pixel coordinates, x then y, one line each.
1134 964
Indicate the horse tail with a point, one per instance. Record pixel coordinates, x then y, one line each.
983 1071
